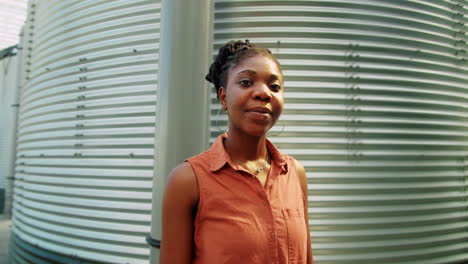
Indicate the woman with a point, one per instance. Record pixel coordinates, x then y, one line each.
242 201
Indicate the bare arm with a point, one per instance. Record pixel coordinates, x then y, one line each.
180 200
303 179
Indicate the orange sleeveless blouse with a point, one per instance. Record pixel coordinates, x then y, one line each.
240 221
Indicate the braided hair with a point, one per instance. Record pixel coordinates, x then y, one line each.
228 56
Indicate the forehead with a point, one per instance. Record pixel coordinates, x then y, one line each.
258 63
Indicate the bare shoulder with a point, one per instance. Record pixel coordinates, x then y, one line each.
183 180
183 173
180 199
300 170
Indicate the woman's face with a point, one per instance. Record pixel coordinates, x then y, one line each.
253 95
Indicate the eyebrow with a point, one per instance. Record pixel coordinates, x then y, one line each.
272 77
247 71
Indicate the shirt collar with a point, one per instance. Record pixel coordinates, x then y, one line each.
219 156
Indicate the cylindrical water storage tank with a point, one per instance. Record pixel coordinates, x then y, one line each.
8 114
376 109
86 132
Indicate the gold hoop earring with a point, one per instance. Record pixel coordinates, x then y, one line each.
216 122
277 134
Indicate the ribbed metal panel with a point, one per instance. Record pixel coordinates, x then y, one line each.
86 126
377 111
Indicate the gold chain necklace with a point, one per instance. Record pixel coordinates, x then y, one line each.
262 167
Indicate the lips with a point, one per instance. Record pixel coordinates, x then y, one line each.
260 109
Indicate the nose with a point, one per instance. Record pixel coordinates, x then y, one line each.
262 92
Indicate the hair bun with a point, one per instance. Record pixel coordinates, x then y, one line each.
221 61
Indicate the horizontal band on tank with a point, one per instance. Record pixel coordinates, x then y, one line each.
153 242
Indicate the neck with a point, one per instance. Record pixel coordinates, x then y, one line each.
242 147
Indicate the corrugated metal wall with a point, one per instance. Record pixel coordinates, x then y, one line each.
377 111
86 130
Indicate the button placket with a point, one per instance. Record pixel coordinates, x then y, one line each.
272 235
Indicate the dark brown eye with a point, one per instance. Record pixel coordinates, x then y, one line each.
245 83
275 87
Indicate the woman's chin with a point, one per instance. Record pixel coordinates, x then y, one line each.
257 131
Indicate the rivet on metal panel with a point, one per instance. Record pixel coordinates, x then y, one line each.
460 42
83 78
81 97
457 7
458 15
81 87
459 33
278 44
80 106
79 125
460 52
131 155
353 132
84 69
134 50
80 116
459 24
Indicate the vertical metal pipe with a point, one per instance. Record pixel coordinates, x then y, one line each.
15 106
21 81
182 128
19 75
